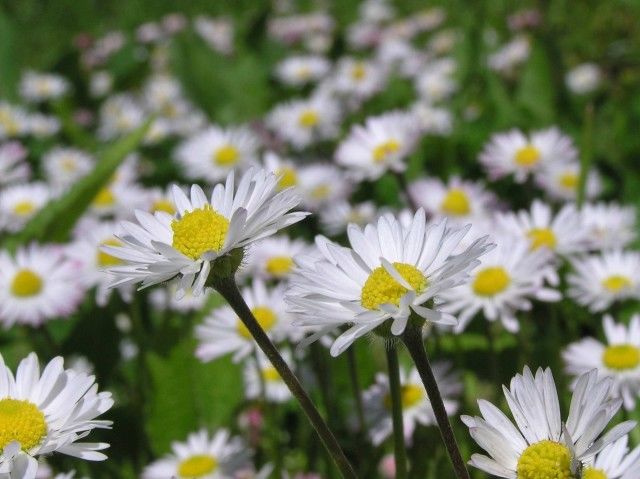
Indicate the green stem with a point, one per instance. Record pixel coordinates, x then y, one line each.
395 388
229 290
404 187
587 154
355 383
412 339
263 385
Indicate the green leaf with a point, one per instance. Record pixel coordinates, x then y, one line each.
536 91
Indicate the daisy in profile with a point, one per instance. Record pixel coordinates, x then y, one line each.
38 87
19 203
390 272
614 462
608 225
202 456
520 155
223 332
560 180
618 359
63 166
185 246
320 184
272 258
263 373
13 168
211 154
382 144
509 277
36 285
597 281
300 70
416 407
337 215
41 414
541 445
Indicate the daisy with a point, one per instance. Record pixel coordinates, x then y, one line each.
223 332
416 407
517 154
584 79
301 70
64 166
434 86
618 359
119 114
390 272
36 285
184 246
203 456
614 462
263 373
382 144
39 87
14 121
337 215
506 281
45 413
560 180
117 199
432 120
272 258
13 168
320 184
543 446
214 152
42 126
609 225
599 280
510 56
165 299
100 84
19 203
285 169
359 78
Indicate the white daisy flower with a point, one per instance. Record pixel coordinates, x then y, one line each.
600 280
584 79
166 299
183 246
203 456
42 126
45 413
510 56
36 285
618 359
432 120
382 144
543 446
100 84
608 225
160 199
337 215
506 281
300 70
222 332
13 168
214 152
218 33
560 180
255 376
614 462
63 166
14 121
117 200
434 86
320 184
119 114
359 78
391 271
416 407
514 153
37 87
272 258
19 203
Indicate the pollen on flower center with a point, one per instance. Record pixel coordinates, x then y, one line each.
545 460
384 150
410 395
196 466
287 177
308 118
381 288
542 238
266 319
569 181
163 205
358 72
491 281
621 357
456 203
24 208
591 473
270 374
105 259
104 198
21 421
527 156
199 231
227 155
279 266
616 283
26 283
320 192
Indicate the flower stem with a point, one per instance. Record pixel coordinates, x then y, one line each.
355 383
587 154
412 339
229 290
396 411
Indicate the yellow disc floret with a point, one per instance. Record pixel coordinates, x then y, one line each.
163 205
358 72
381 288
104 198
26 283
199 231
616 283
569 181
105 259
527 156
491 281
621 357
456 203
287 177
196 466
384 150
410 395
591 473
24 208
21 421
308 118
270 374
545 460
320 192
542 238
279 266
227 155
266 319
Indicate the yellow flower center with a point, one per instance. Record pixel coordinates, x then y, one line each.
320 192
569 181
266 319
303 73
197 466
26 283
24 208
270 374
410 395
621 357
542 238
381 288
105 259
384 150
279 266
287 177
163 205
491 281
8 122
591 473
456 203
21 421
104 198
68 164
616 283
308 118
527 156
199 231
545 460
227 155
358 72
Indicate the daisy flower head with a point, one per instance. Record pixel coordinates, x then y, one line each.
432 120
515 153
381 144
541 445
211 154
19 203
164 299
434 86
13 168
223 332
416 406
284 168
614 462
618 359
272 258
36 285
63 166
38 87
119 114
510 56
320 184
609 225
117 199
560 181
584 79
390 272
599 280
14 121
300 70
509 277
359 78
205 456
337 215
45 413
204 234
257 374
43 126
